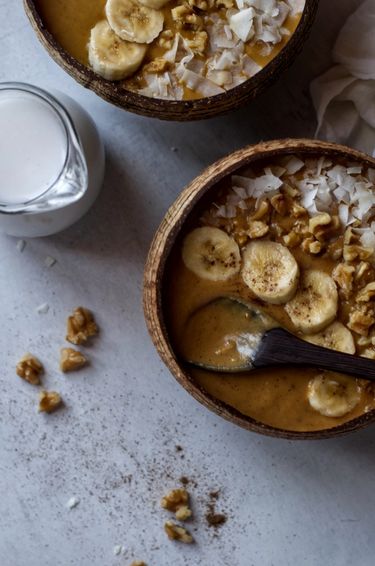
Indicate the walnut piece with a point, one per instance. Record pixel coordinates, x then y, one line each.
177 501
324 226
279 203
360 321
298 211
362 270
198 42
175 532
289 190
71 360
200 4
81 326
241 238
335 250
156 66
184 16
257 229
364 341
224 3
343 275
138 563
311 246
292 239
318 221
352 252
366 294
49 401
261 211
30 369
369 353
350 237
315 247
165 39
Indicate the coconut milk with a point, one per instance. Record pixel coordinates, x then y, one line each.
33 146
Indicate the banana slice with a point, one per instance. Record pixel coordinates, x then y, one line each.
110 57
134 22
211 254
335 337
333 395
156 4
270 271
315 304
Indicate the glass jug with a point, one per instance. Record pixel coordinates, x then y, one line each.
51 161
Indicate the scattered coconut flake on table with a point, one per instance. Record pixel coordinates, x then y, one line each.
21 244
118 549
73 502
49 261
43 309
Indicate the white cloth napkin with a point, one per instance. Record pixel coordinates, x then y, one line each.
344 96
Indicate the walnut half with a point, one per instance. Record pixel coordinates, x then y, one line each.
175 532
30 369
81 326
177 501
49 401
71 360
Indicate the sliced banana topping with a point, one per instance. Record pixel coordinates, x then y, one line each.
333 395
335 337
211 254
155 4
134 22
315 304
270 271
111 57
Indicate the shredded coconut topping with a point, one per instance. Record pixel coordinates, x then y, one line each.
320 186
225 63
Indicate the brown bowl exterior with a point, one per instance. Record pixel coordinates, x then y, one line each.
160 250
178 110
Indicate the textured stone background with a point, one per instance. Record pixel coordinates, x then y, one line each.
113 446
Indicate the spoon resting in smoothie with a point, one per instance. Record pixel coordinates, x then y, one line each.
229 335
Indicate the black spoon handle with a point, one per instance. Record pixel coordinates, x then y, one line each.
279 347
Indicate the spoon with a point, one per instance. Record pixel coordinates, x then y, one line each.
229 335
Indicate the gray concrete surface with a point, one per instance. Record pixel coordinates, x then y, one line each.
114 445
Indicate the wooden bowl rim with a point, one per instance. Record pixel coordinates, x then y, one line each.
161 247
169 109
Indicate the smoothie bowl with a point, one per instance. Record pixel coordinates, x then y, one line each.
290 227
176 59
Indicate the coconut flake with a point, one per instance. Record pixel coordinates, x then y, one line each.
49 261
21 244
73 502
355 170
221 78
249 66
43 309
293 164
200 84
308 198
242 24
368 239
297 6
118 549
343 214
240 191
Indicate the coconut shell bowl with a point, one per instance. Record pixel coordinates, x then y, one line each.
177 110
197 196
